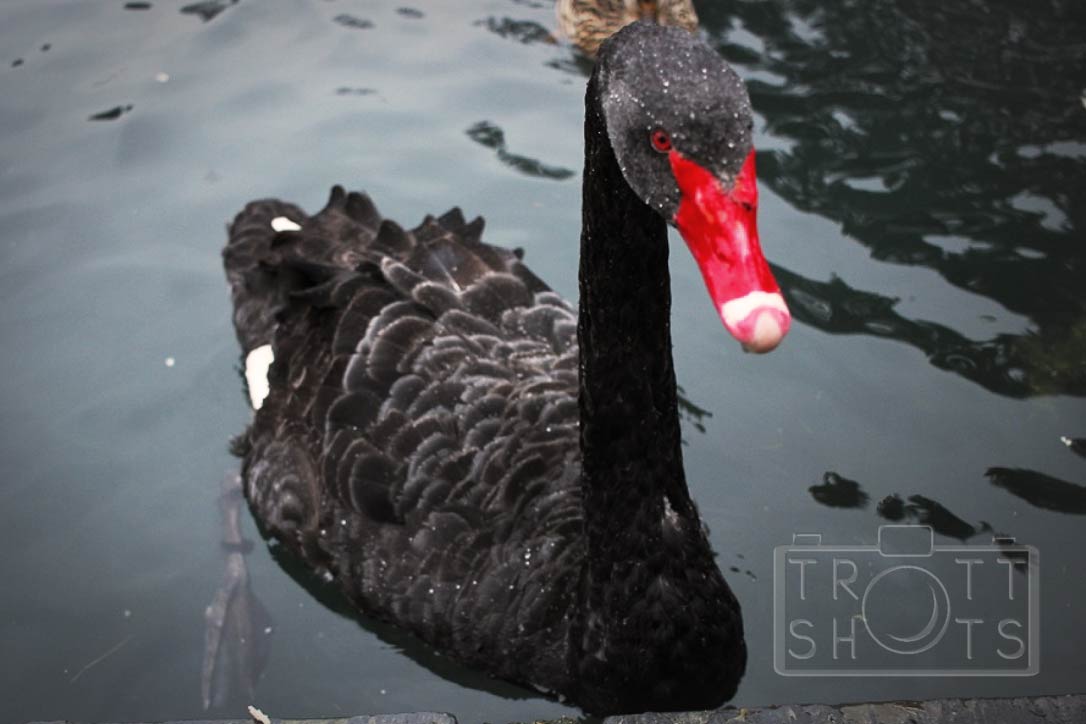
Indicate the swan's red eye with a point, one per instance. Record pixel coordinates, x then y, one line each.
661 141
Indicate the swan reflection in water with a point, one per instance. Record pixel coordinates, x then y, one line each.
237 634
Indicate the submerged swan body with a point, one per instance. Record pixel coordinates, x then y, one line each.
477 462
587 23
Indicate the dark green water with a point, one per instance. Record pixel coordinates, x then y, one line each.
922 169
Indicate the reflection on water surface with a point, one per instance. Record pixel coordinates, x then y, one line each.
947 136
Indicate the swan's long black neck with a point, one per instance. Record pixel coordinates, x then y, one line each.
630 436
654 599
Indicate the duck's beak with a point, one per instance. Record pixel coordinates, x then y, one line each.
721 229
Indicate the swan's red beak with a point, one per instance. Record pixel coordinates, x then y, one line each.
721 229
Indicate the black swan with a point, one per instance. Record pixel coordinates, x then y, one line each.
470 458
587 23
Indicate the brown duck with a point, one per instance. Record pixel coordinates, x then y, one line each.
589 22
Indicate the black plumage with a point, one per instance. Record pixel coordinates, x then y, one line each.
474 460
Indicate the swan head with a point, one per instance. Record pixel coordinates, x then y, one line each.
680 123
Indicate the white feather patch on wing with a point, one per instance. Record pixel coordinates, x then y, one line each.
257 363
282 223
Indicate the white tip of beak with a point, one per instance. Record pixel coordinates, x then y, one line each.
759 320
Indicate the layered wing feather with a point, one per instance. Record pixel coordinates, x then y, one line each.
419 442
